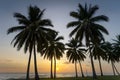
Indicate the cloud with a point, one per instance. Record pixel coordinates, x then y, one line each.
66 62
6 61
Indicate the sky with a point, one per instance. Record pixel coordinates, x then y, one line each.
13 61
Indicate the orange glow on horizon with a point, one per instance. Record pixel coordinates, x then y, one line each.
57 69
19 65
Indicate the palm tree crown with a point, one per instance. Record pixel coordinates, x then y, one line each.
98 52
54 46
86 24
74 52
109 49
32 28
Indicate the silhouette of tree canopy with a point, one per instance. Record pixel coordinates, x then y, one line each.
32 33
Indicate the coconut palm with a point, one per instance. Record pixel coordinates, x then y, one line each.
99 53
32 33
111 55
117 45
54 49
117 50
86 25
75 53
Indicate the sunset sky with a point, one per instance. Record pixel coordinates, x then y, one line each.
58 11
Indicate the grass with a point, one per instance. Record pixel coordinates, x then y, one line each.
86 78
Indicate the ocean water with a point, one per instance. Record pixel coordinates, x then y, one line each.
5 76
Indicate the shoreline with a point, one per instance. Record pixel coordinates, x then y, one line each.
106 77
22 76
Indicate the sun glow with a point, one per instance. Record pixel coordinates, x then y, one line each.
57 69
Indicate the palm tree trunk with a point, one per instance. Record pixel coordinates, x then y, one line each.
28 67
76 69
116 69
35 64
113 68
92 64
51 75
100 67
54 66
81 69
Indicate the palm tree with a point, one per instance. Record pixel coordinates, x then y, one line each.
111 55
87 26
74 54
99 53
32 33
116 45
54 49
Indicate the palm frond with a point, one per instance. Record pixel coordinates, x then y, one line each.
100 18
41 14
33 13
15 29
74 15
45 22
27 45
16 37
80 33
101 28
59 38
73 24
82 11
74 31
19 16
92 10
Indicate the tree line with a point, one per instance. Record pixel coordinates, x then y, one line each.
36 34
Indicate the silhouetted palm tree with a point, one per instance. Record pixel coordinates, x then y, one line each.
54 49
32 33
117 45
75 53
117 50
111 55
99 53
87 26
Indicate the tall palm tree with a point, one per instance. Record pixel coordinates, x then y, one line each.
99 53
75 53
54 50
111 55
86 25
32 33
